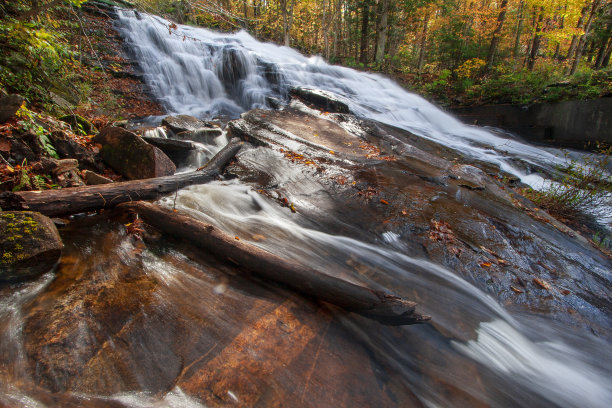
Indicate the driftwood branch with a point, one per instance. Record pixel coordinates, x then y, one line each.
383 307
81 199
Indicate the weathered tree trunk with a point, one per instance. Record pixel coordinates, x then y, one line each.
382 32
383 307
496 33
81 199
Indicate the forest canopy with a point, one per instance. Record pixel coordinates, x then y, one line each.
498 50
458 52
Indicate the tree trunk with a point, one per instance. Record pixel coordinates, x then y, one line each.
537 39
382 32
380 306
496 33
519 30
365 22
75 200
423 43
287 11
604 52
574 43
583 38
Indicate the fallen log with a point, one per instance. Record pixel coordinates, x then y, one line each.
81 199
383 307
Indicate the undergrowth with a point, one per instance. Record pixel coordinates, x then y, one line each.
583 188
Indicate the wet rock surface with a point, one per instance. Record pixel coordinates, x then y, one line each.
128 322
132 157
382 181
183 123
29 245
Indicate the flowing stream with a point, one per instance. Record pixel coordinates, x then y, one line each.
491 358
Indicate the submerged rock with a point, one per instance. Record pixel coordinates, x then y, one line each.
29 245
129 155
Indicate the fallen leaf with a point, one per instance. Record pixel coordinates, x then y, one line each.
516 290
258 237
485 264
385 202
332 152
565 292
292 208
541 283
237 238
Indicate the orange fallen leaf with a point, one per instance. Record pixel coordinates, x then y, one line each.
385 202
258 237
516 290
541 283
485 264
332 152
237 238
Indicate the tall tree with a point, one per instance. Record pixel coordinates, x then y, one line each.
537 38
287 12
383 26
582 42
497 33
365 23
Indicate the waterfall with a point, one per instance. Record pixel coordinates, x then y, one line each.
206 74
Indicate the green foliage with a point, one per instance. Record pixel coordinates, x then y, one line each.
29 123
34 52
584 185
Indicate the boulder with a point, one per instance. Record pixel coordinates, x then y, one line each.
324 100
129 155
182 123
29 245
67 147
9 105
177 150
94 178
79 124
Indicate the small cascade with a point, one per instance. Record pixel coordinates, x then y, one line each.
206 74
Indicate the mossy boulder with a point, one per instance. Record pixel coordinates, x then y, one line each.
129 155
29 245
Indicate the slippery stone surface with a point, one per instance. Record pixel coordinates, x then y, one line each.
129 155
434 203
30 245
321 99
79 124
183 123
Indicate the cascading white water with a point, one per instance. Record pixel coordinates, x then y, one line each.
206 74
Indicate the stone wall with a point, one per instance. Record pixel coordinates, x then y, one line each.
576 124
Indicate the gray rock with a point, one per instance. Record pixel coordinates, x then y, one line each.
177 150
182 123
324 100
29 245
129 155
9 105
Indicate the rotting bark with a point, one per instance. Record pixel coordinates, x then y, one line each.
81 199
383 307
